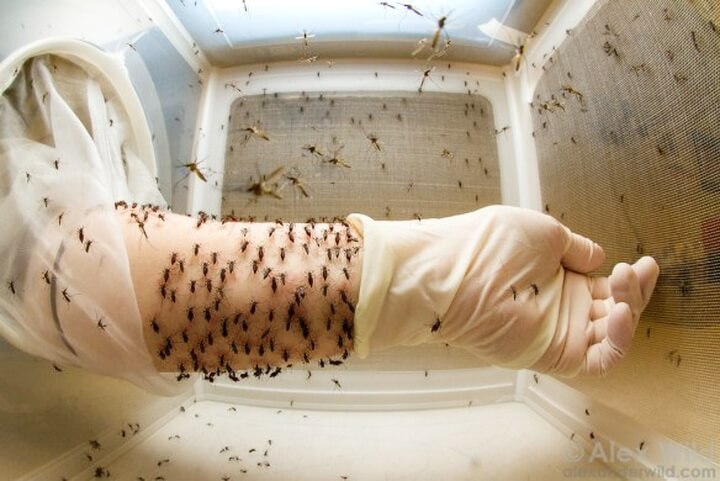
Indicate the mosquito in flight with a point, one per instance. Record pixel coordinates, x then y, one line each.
305 37
410 8
266 184
192 168
439 30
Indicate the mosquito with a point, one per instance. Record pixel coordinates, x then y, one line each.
192 168
266 186
519 55
305 37
442 50
255 131
233 86
409 7
446 154
610 50
313 149
436 326
421 44
297 181
308 59
374 141
439 29
425 75
336 159
570 90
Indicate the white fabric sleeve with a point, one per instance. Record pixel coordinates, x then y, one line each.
67 153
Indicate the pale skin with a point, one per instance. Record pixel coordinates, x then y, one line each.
223 297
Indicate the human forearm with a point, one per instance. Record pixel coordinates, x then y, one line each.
223 297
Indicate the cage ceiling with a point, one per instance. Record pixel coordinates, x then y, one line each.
232 33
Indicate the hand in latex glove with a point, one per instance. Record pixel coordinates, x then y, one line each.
509 284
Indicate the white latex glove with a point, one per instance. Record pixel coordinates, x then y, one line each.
509 284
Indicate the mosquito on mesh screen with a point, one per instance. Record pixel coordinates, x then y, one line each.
314 150
297 181
335 159
374 142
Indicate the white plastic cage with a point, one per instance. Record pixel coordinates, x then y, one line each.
602 113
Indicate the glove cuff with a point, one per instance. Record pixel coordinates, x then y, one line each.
377 272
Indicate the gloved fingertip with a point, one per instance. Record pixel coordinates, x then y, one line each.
581 254
620 328
647 270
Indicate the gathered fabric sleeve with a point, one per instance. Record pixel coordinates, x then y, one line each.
67 154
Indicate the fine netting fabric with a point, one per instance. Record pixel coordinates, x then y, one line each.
67 153
626 118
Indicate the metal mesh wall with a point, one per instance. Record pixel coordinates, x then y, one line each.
627 127
389 155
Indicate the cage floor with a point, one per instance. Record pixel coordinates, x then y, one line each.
218 441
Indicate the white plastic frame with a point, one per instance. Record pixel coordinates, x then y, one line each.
341 76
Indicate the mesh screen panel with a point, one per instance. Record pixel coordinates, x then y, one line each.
627 127
434 155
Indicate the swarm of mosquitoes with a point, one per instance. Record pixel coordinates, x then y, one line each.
334 241
215 339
